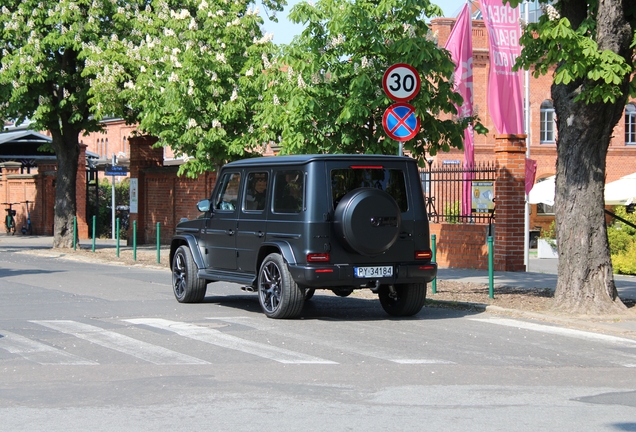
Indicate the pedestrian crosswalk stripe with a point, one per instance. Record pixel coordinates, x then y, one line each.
122 343
373 352
38 352
215 337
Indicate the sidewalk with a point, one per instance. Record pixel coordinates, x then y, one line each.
542 274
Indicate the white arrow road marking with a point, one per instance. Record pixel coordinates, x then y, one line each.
579 334
38 352
124 344
215 337
368 352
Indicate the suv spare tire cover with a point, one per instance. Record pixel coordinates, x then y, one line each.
367 221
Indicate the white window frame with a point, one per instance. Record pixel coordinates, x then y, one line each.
548 125
630 124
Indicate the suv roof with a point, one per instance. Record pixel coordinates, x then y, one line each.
302 159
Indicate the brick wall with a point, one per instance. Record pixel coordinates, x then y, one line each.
461 245
164 197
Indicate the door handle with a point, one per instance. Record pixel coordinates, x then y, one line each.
230 232
260 234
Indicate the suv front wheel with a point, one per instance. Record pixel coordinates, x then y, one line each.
405 299
187 287
278 294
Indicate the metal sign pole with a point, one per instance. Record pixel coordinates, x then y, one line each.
113 200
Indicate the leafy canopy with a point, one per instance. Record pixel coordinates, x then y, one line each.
43 76
323 92
554 41
187 75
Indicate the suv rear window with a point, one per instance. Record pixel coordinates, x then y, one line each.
390 180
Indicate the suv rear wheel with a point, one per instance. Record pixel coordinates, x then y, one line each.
278 294
405 300
187 287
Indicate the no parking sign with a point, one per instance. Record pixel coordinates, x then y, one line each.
400 121
401 82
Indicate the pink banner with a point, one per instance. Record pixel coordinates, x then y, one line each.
505 96
460 45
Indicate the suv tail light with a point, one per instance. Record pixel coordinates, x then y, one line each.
318 257
420 255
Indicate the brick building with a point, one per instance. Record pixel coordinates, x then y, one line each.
541 139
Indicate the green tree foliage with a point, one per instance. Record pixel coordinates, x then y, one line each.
43 79
323 92
622 240
187 73
554 41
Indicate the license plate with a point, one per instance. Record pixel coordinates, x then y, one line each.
373 272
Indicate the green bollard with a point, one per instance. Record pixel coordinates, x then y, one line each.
117 227
134 233
158 244
74 232
434 259
94 225
491 278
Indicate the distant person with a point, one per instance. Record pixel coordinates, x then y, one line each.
257 193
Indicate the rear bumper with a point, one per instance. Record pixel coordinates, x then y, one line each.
323 276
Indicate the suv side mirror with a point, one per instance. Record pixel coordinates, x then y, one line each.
204 205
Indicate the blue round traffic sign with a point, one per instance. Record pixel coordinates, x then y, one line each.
400 121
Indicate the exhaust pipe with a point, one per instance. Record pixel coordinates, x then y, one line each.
248 288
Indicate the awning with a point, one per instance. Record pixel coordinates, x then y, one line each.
542 192
619 192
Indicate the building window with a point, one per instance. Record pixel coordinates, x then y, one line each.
547 122
630 124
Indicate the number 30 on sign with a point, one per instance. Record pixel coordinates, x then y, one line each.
401 82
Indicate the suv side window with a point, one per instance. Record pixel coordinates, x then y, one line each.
256 191
289 192
390 180
227 195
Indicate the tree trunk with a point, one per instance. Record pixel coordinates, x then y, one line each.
67 151
585 280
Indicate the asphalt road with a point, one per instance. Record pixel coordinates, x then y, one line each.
87 346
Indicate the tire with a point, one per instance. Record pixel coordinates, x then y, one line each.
410 299
367 221
279 295
187 287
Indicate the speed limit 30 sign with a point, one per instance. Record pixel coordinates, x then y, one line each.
401 82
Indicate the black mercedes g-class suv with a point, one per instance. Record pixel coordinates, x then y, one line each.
285 226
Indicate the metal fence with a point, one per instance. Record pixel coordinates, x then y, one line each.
445 186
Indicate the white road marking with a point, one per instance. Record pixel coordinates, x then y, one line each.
118 342
38 352
578 334
249 322
215 337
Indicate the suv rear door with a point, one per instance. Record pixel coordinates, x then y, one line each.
252 223
219 234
